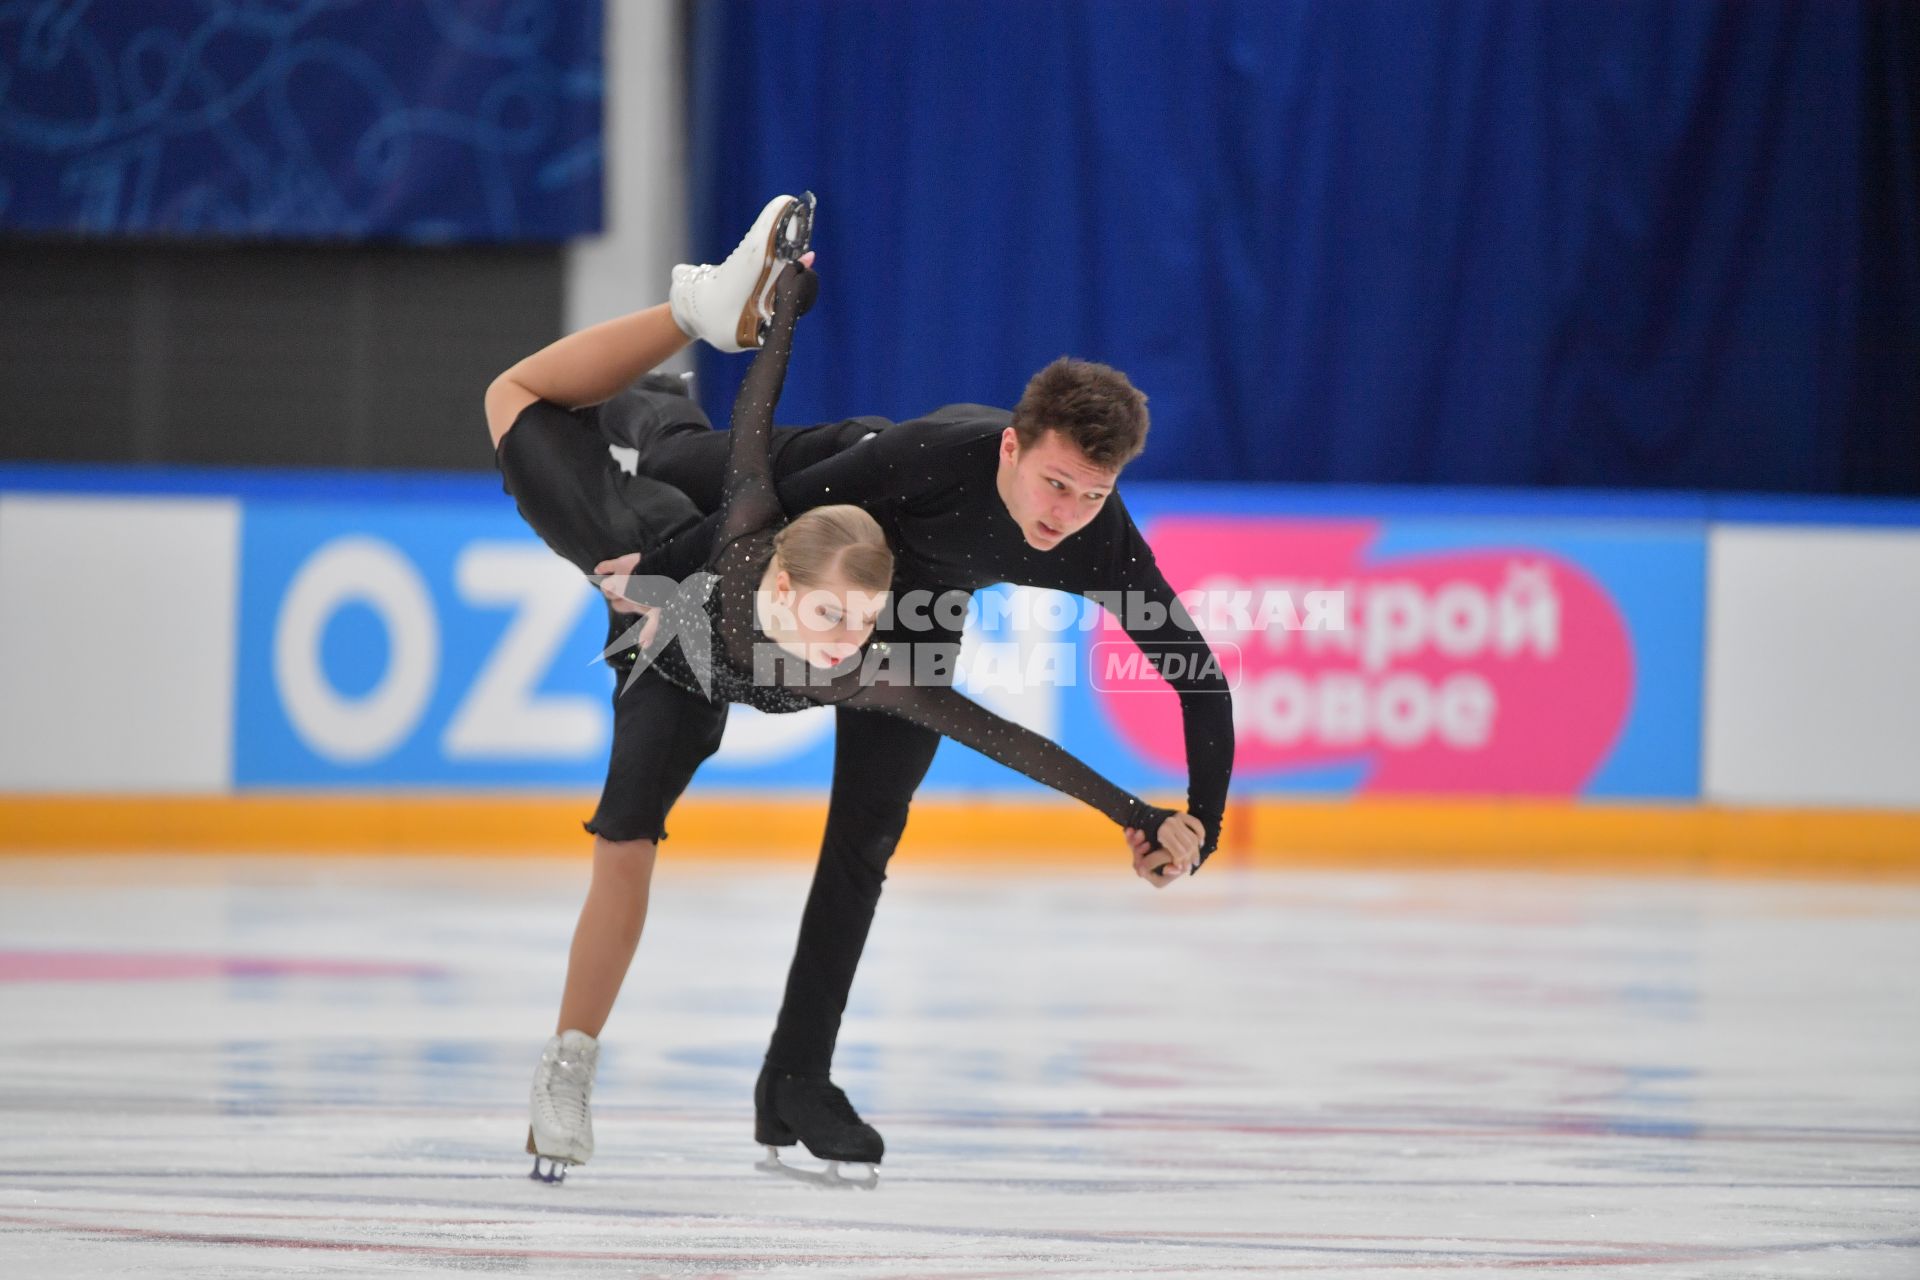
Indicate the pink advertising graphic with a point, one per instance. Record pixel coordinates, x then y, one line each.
1491 669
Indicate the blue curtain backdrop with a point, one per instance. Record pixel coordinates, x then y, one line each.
427 120
1545 242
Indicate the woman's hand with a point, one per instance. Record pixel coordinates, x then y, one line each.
613 576
797 288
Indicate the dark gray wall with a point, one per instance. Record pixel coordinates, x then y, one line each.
284 355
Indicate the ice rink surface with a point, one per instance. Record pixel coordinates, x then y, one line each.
288 1068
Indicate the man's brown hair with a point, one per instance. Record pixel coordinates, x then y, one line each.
1092 405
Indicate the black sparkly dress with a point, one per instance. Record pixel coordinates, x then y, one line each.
709 626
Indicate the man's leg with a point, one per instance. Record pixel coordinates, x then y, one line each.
674 442
878 762
556 465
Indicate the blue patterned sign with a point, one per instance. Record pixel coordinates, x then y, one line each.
429 120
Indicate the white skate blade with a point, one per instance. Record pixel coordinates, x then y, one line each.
832 1176
556 1168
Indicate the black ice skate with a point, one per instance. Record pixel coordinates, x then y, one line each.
811 1110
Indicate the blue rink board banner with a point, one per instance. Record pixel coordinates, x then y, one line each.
429 120
433 642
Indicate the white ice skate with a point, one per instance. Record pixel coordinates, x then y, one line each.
729 306
560 1131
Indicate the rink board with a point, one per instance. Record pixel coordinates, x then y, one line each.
1621 662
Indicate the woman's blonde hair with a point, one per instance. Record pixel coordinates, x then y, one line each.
843 538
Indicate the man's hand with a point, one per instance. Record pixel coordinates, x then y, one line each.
1182 835
1180 838
1155 866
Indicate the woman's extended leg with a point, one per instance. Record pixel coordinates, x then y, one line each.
560 1121
726 304
608 932
587 367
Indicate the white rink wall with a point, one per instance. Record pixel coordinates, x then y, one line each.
117 643
1813 667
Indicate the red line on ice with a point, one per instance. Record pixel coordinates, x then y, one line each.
138 966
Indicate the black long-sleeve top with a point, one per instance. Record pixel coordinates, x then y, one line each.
710 626
931 483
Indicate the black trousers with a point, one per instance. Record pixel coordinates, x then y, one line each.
878 760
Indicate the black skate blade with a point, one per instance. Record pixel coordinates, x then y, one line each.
831 1177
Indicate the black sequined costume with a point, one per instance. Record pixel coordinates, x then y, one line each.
709 622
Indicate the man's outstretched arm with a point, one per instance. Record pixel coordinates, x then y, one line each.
1156 621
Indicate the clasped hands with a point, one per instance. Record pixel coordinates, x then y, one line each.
1181 836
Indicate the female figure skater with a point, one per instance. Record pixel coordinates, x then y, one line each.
778 619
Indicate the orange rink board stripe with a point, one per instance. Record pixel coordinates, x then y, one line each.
984 830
